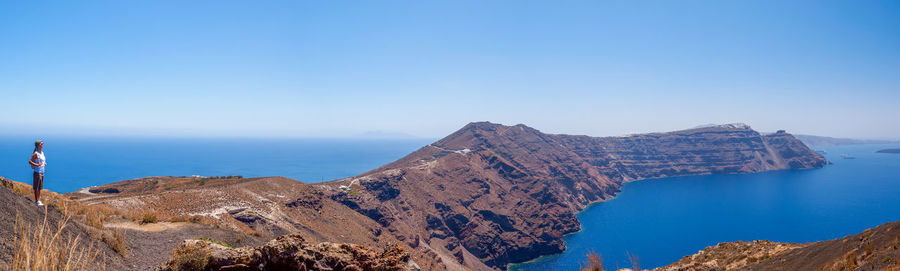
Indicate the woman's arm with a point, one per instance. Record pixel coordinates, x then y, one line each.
31 161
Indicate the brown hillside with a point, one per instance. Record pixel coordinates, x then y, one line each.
873 249
496 194
13 206
261 208
483 197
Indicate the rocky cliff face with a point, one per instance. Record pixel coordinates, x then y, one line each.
489 194
484 196
289 252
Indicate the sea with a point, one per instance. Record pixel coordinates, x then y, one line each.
659 221
78 162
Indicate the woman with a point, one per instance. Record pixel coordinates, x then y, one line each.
38 162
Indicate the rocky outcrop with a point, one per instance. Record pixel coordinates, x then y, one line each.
873 249
489 194
730 256
289 252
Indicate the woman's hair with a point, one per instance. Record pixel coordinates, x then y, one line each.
37 143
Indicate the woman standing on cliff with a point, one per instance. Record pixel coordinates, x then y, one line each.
38 162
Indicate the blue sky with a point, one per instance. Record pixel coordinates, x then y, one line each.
426 68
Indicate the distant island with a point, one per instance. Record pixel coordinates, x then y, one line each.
889 151
824 141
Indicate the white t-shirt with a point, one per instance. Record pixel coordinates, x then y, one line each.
41 160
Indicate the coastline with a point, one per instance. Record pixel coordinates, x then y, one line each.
617 195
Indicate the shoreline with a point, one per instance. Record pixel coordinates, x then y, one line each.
592 204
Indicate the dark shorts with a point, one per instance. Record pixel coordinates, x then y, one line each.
38 182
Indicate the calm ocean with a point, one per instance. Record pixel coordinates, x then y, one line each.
74 163
662 220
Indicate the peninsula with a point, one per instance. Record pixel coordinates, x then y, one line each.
483 197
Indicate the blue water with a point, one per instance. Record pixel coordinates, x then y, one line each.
74 163
662 220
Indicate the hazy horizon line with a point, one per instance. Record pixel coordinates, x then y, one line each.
106 132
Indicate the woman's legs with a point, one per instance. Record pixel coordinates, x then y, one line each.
37 184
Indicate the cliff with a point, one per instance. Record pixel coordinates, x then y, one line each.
479 199
488 194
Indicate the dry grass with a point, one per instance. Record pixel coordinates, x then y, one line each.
98 214
196 219
594 262
635 262
93 216
189 258
850 260
95 219
47 197
149 216
116 241
41 247
143 216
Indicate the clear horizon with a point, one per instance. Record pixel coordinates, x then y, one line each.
331 69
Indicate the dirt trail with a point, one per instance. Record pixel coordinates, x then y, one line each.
151 227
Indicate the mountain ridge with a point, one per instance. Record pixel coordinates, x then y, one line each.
484 196
501 174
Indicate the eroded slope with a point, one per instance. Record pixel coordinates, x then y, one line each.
484 196
490 194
